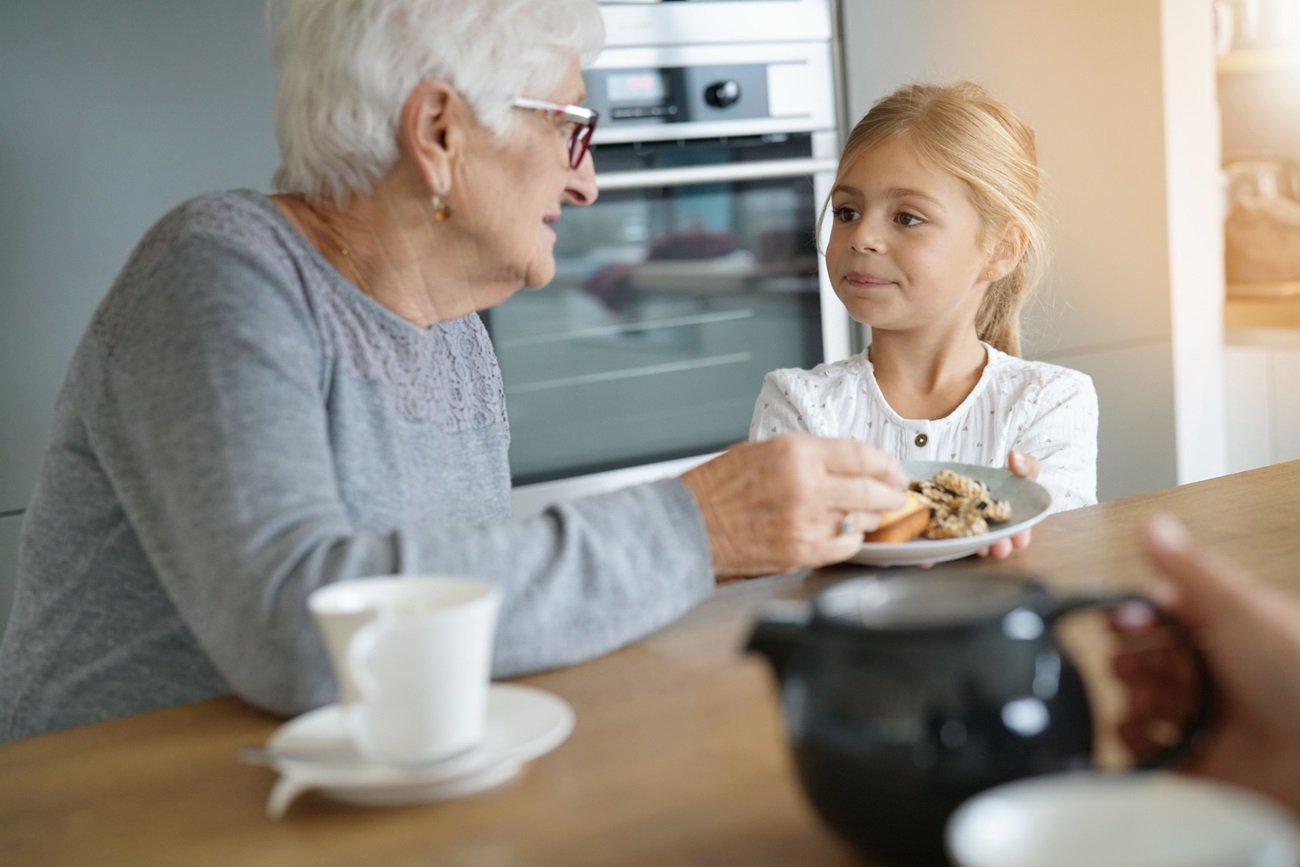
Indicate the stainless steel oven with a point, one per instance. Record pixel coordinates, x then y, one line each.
683 22
694 273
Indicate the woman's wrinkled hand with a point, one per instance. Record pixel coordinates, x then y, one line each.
1025 466
793 502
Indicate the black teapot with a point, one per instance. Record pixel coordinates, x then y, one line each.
906 694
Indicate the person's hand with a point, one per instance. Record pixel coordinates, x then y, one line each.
793 502
1249 634
1025 466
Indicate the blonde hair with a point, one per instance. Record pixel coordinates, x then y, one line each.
962 130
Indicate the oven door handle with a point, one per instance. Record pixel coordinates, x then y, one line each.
688 175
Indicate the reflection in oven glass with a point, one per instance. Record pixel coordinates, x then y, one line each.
668 307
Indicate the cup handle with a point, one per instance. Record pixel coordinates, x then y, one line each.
1203 714
360 650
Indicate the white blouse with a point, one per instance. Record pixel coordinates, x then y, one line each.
1040 409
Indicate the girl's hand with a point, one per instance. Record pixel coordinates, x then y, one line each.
1025 466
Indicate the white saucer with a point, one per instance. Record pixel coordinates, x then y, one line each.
523 722
1144 819
1029 504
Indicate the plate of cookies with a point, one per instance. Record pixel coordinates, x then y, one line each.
952 511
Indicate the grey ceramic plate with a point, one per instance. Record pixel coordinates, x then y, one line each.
1029 503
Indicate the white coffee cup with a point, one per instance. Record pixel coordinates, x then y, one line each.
413 657
1136 819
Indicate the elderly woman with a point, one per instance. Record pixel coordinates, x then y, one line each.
282 392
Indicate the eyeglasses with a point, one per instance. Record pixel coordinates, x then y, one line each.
583 120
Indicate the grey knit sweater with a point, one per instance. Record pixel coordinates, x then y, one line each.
239 426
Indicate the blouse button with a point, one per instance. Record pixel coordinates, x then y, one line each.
921 440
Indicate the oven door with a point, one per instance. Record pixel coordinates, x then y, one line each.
694 273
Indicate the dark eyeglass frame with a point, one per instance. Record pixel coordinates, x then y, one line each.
583 119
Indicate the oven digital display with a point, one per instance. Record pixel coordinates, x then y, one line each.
641 86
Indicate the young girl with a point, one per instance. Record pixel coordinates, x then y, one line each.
935 244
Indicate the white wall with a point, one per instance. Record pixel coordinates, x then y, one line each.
1121 95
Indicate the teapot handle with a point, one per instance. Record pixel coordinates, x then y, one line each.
1203 715
782 627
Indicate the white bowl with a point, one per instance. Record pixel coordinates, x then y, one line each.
1090 819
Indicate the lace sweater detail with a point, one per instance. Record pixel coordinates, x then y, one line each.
467 393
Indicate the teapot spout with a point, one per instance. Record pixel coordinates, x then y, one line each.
781 628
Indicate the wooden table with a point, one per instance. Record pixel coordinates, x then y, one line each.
677 758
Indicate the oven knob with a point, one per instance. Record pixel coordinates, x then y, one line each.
722 93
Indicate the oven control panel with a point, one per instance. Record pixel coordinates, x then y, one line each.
710 91
679 95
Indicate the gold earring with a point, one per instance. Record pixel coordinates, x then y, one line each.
441 210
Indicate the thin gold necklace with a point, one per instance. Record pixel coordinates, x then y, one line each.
336 240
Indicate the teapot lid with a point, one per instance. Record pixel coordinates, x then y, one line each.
922 600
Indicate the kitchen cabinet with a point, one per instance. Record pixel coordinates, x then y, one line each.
1257 89
1262 401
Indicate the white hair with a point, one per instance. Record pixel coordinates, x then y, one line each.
348 66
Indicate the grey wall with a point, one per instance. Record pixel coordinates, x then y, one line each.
110 113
